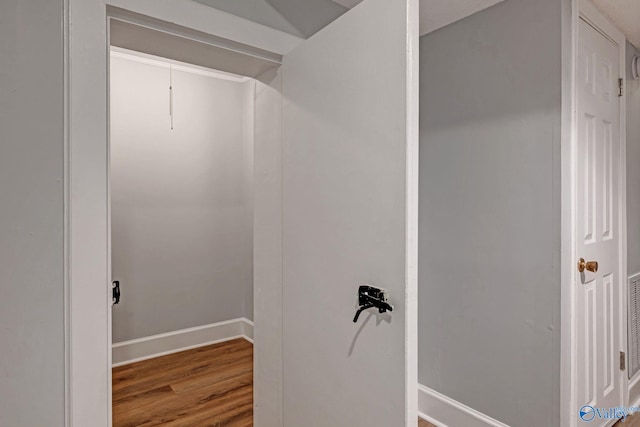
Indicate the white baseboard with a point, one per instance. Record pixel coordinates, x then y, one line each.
172 342
443 411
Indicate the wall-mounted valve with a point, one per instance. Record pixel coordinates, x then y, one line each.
370 297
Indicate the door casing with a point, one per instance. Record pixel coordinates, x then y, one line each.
584 9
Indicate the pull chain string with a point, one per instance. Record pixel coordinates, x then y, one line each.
171 94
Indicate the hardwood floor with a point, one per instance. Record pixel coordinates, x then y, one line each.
632 421
208 386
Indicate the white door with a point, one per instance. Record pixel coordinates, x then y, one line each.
598 288
349 142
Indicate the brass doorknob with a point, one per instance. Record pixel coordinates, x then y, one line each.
591 266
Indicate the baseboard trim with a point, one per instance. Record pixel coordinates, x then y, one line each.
185 339
442 411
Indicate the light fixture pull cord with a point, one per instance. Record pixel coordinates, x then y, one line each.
171 95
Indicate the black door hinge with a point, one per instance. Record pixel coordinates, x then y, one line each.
620 87
115 292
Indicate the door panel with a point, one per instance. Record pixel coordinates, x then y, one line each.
598 293
345 145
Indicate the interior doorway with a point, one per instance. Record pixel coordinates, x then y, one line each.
186 181
599 241
600 281
181 191
313 241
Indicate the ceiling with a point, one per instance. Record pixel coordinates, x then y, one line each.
436 14
625 14
304 18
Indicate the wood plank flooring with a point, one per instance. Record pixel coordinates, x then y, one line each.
208 386
632 421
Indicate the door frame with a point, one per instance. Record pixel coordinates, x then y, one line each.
585 10
86 164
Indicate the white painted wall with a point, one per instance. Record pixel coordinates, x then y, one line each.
633 165
490 212
182 210
32 367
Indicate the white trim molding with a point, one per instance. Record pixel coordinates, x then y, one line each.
442 411
185 339
156 61
412 202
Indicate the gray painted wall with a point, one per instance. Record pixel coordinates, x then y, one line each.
633 171
489 211
31 217
182 209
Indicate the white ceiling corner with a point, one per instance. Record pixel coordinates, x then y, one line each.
625 14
